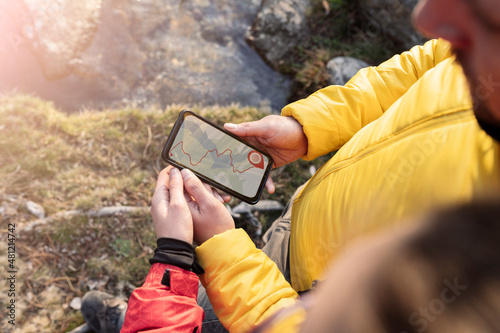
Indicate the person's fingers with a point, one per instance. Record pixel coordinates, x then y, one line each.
188 198
176 186
161 191
208 187
195 188
217 195
258 128
214 192
162 180
270 185
225 197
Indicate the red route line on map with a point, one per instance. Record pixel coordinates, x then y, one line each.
209 151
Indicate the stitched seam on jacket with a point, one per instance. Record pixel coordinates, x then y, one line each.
247 255
373 147
334 120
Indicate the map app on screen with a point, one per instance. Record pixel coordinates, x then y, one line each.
211 152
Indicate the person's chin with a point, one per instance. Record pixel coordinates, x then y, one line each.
484 110
484 115
486 121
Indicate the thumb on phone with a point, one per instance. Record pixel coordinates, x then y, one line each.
259 128
195 188
210 216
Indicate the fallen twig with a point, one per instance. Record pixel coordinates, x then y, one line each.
103 212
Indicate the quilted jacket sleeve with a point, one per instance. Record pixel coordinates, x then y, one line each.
243 284
158 308
332 115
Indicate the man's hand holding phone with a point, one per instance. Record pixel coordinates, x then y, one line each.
281 137
237 158
217 157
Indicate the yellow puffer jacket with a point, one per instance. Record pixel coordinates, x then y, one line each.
408 143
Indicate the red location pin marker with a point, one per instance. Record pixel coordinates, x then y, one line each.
255 158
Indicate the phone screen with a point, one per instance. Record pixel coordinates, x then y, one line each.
214 154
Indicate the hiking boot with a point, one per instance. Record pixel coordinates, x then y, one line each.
103 312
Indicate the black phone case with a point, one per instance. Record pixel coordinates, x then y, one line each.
171 138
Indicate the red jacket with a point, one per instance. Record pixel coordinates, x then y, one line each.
154 307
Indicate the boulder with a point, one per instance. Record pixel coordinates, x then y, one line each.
59 41
153 53
390 17
35 209
342 69
148 53
279 26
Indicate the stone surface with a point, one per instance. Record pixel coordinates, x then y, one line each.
261 206
245 219
106 53
390 17
342 69
109 53
35 209
76 303
59 41
267 206
279 26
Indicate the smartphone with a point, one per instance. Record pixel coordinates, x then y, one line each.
217 157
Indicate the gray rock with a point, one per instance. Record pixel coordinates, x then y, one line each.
245 216
391 17
93 284
312 170
279 26
267 206
261 206
342 69
241 208
245 219
117 210
59 41
35 209
107 53
148 53
76 303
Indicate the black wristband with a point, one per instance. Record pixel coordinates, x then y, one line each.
176 252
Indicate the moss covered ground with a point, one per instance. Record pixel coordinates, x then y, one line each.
73 165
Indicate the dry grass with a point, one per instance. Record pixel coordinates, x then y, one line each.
95 159
86 161
337 29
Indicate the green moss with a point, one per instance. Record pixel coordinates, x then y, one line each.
122 247
87 161
73 320
68 231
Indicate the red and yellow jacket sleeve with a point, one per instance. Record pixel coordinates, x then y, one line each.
332 115
159 308
243 284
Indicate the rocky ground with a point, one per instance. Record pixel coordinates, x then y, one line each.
77 186
75 192
149 53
